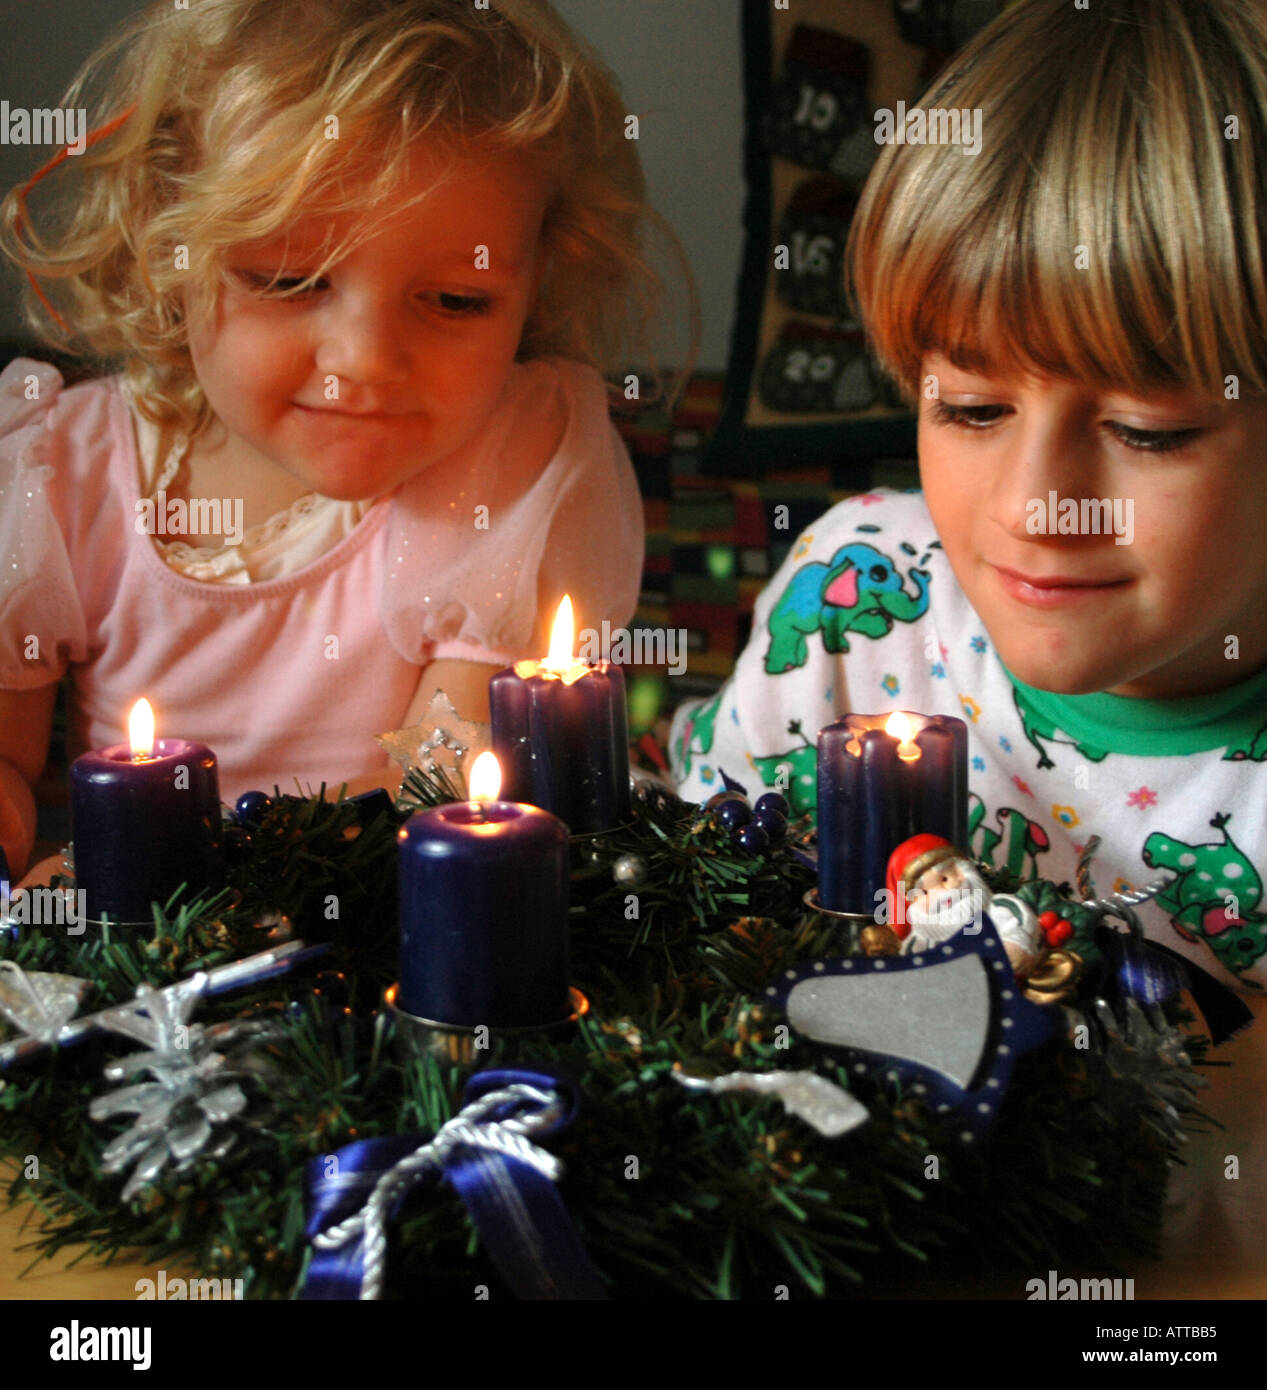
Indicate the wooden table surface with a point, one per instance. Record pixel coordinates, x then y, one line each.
89 1279
1216 1228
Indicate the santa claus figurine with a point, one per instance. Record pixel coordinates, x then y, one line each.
935 892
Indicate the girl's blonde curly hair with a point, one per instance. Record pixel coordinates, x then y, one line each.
246 114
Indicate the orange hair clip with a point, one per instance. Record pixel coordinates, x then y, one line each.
91 139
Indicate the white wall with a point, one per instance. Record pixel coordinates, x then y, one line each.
44 44
679 66
680 69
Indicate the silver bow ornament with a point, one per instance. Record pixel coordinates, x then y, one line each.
39 1005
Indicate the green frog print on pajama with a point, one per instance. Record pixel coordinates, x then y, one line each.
1214 896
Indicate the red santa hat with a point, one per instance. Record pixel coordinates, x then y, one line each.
907 862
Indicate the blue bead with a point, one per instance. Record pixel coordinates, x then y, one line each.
753 839
251 806
774 824
721 798
235 841
371 804
733 814
772 801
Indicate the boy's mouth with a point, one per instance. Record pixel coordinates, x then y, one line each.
1053 591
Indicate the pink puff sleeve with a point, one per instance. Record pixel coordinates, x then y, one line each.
42 627
481 586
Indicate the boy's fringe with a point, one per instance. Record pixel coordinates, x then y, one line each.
1110 230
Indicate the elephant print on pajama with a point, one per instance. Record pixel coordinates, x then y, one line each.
858 590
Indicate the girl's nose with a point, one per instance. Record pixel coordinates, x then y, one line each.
362 343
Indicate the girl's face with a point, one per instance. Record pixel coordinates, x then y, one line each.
1068 607
397 356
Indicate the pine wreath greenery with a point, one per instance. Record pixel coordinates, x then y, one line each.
732 1196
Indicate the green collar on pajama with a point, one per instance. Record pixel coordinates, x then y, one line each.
1235 717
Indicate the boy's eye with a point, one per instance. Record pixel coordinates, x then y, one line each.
970 416
1152 441
981 417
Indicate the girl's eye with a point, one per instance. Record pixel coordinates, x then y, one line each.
462 305
980 417
269 283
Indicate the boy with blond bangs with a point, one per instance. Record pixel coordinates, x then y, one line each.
1079 316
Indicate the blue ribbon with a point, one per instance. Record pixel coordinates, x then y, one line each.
1153 973
517 1210
334 1196
1143 971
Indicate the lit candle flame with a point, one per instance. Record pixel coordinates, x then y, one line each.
898 726
141 729
560 655
485 780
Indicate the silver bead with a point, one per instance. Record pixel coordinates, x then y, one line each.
630 870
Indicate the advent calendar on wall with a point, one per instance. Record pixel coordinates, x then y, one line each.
800 387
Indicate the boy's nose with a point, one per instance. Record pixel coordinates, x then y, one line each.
1052 455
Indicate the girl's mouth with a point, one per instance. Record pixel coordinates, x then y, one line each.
336 413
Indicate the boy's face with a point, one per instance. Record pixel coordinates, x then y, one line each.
1148 617
416 337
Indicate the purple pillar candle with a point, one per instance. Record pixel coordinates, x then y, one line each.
144 824
561 734
484 915
876 789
